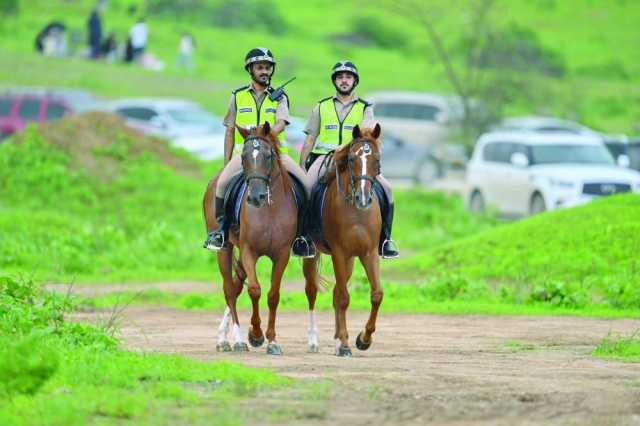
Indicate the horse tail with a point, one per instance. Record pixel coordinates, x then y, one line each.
237 266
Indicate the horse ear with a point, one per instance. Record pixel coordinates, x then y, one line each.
376 131
266 129
356 132
244 132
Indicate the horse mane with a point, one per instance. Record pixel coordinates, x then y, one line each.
342 152
272 138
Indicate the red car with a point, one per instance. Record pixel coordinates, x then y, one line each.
18 110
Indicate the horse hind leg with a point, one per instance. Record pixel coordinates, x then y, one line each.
310 269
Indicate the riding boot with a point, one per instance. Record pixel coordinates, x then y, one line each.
303 246
387 248
216 239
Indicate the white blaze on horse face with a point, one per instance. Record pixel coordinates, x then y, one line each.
365 151
255 154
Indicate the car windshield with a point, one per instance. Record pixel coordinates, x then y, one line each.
571 153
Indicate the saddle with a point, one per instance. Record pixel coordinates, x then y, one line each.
234 195
316 208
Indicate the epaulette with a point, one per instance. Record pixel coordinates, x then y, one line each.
366 103
240 89
325 99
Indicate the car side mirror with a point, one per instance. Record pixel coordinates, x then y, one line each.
518 159
624 161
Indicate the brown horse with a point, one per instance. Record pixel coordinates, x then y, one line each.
268 220
351 223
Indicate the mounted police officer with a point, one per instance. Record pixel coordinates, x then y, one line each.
250 106
331 124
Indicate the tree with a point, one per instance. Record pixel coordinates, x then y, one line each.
487 67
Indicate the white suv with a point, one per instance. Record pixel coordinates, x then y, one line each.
521 173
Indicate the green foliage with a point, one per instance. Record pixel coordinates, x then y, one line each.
9 7
519 49
614 346
373 30
26 365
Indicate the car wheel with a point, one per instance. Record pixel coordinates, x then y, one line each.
476 202
428 171
537 204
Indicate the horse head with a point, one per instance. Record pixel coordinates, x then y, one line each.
259 155
360 161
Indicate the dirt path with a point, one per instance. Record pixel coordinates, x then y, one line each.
425 369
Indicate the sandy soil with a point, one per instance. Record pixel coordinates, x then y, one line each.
421 369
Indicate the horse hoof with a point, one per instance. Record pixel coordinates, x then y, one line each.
223 347
256 342
360 344
274 349
240 347
343 351
314 349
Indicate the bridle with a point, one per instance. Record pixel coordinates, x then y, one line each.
257 143
353 178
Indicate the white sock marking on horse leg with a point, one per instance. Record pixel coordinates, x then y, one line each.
223 328
313 329
237 334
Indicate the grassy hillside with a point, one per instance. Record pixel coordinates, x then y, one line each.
88 199
579 251
593 40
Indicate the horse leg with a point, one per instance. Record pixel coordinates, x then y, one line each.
279 265
342 268
255 335
371 264
309 267
230 295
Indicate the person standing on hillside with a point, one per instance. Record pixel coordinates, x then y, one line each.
330 125
186 48
138 36
94 25
251 106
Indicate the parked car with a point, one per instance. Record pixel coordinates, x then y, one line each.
542 124
423 118
18 110
19 106
185 124
401 159
521 173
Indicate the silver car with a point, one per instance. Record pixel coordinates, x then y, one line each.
185 124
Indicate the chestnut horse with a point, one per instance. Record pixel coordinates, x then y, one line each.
351 224
268 220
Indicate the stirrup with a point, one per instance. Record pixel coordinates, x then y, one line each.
302 248
211 243
390 256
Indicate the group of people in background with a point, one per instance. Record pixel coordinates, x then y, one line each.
52 40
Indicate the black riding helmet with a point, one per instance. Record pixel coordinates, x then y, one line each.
259 54
345 66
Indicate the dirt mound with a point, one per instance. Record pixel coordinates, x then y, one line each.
101 142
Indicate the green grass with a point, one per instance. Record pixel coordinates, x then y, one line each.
593 40
432 298
618 347
568 257
55 372
119 207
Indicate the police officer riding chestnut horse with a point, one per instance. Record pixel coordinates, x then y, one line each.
352 216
